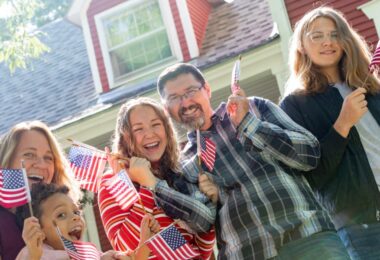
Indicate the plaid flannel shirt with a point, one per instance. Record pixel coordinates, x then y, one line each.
184 201
263 203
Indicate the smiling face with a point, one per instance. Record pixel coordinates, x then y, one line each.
321 44
193 111
148 133
61 210
34 149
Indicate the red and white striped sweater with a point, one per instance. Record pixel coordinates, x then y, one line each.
123 226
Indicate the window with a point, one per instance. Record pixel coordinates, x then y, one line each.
136 38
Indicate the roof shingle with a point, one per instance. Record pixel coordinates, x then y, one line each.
58 86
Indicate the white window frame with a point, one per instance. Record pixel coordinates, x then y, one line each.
168 21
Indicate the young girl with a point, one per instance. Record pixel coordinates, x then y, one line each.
55 209
144 134
34 143
336 98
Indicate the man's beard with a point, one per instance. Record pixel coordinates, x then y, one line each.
191 123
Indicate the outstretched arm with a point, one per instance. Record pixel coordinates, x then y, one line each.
274 132
186 202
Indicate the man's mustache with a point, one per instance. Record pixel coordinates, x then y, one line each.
182 110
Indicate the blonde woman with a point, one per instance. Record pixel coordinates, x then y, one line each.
333 96
34 143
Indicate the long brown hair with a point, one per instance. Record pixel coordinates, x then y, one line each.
10 140
307 78
123 140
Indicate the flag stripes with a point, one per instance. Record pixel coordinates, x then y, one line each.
122 190
170 244
79 250
13 191
87 165
208 152
375 62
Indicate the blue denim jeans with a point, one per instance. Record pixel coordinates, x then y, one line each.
324 245
362 241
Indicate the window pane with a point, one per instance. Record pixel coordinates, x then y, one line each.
136 38
163 44
120 57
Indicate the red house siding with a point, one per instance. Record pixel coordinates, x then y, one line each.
297 8
199 11
180 31
104 242
98 6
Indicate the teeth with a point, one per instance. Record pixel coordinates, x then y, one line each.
189 111
35 177
151 145
76 229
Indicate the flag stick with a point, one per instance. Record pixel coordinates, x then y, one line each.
76 143
137 248
59 233
27 188
199 151
172 224
365 81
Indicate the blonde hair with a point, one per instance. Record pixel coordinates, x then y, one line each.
123 140
10 140
307 78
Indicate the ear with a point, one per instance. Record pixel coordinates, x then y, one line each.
208 89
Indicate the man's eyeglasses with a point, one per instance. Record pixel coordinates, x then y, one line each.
320 37
176 99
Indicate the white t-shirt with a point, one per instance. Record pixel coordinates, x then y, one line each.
48 253
369 132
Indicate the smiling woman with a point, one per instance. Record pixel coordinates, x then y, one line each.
333 95
35 144
144 134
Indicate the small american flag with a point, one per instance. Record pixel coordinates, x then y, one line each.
235 76
170 244
87 165
123 190
79 250
375 62
208 152
13 190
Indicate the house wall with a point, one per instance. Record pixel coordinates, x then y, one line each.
180 31
364 26
97 6
199 12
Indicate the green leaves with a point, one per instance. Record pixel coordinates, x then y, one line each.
19 39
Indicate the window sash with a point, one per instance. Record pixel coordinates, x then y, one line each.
133 48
